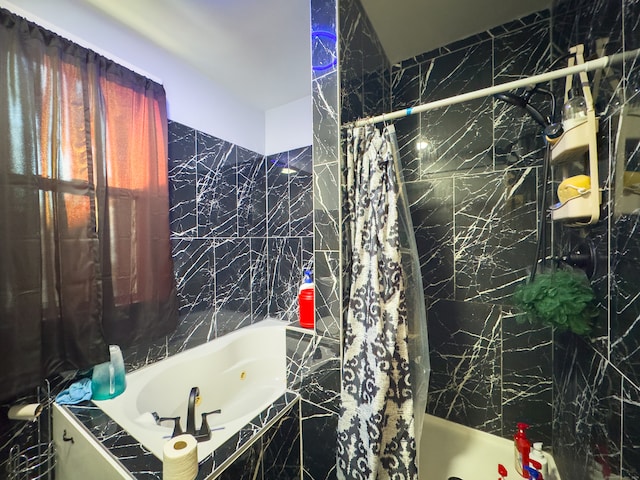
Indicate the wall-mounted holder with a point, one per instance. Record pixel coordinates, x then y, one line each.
584 257
578 145
627 171
33 455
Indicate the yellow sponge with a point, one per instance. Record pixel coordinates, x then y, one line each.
573 187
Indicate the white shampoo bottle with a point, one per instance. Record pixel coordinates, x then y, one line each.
538 455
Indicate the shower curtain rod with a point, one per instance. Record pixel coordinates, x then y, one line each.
589 66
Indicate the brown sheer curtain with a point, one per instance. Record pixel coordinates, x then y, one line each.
85 257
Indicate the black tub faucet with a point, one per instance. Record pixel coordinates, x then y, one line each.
191 411
204 433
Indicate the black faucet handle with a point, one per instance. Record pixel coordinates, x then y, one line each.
205 432
205 414
177 430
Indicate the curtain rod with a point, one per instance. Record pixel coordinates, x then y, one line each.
16 10
589 66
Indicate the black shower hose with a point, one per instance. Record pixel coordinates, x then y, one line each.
542 217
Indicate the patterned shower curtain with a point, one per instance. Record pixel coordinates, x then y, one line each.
385 345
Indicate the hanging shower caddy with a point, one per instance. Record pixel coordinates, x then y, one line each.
578 147
37 460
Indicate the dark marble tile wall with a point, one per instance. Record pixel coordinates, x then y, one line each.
465 382
364 79
242 233
597 382
242 230
326 174
319 428
473 174
314 372
475 187
314 355
315 359
275 456
314 369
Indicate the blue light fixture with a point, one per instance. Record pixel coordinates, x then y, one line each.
326 57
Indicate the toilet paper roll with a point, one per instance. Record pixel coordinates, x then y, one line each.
180 458
28 412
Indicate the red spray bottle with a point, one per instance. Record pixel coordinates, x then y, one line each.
305 302
522 447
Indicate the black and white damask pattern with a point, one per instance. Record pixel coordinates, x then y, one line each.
376 434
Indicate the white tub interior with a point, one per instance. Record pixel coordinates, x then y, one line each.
449 450
241 373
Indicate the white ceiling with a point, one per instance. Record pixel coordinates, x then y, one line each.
259 50
409 27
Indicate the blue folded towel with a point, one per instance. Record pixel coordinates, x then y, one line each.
76 393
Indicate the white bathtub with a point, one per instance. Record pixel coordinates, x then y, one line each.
449 450
240 373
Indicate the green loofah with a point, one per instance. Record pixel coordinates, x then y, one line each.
562 299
